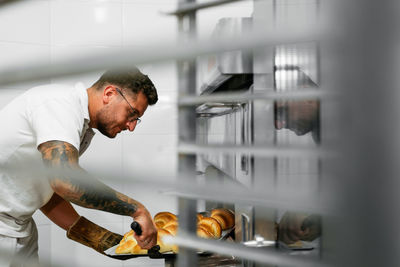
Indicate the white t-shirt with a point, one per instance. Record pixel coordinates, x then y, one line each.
41 114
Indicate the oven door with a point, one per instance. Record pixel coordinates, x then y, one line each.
220 124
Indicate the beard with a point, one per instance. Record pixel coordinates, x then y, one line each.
103 123
302 117
301 126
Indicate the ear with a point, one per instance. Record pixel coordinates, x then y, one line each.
108 94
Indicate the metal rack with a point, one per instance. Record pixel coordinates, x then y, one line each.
346 160
262 146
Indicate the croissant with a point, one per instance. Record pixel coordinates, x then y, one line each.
224 217
172 227
203 233
129 245
209 228
162 218
126 244
165 247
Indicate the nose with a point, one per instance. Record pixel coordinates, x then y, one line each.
131 125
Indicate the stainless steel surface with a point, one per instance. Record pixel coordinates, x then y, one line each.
219 127
216 109
187 124
217 69
235 62
233 98
259 242
267 255
258 150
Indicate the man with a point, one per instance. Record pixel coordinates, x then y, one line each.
52 124
301 117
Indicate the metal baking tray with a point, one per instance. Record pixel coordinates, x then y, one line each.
167 255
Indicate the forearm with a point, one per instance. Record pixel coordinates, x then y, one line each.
91 193
73 184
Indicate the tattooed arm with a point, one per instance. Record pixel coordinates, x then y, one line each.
89 192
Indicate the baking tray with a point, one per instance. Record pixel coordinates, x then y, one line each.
167 255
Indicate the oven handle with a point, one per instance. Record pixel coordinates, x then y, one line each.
245 227
227 108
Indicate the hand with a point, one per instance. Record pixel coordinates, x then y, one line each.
148 238
297 226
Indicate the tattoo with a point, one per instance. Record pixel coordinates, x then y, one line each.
75 185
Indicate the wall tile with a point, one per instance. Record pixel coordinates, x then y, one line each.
15 55
103 154
41 219
144 24
103 160
78 52
162 74
152 198
159 119
25 21
93 23
152 155
44 242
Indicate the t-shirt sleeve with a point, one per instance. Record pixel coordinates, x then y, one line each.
56 120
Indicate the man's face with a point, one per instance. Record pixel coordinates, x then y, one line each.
117 116
297 116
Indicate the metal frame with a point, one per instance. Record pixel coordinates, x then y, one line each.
187 124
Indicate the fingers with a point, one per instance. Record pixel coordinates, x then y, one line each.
289 236
148 238
147 242
289 233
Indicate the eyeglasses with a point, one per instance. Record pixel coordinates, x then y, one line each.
134 111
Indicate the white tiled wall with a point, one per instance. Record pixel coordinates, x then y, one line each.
143 22
26 22
86 23
53 30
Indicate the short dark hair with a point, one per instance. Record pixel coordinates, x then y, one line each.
131 79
